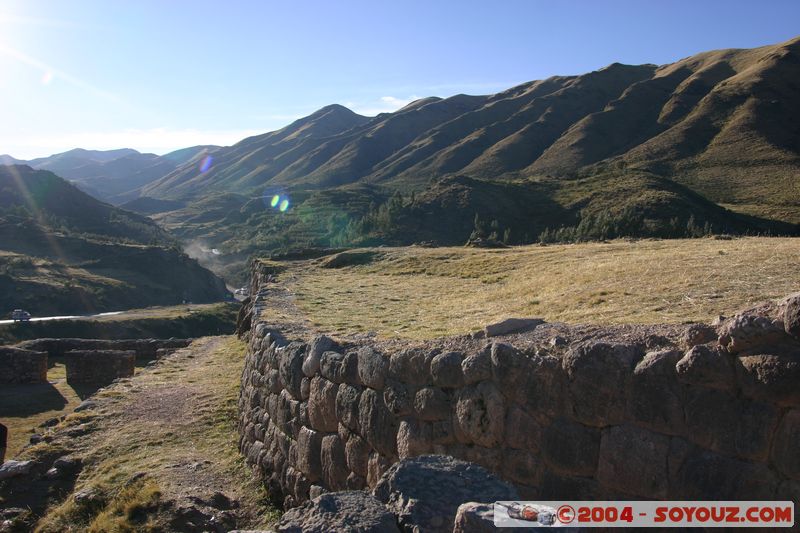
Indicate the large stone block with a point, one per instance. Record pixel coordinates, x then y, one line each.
290 368
791 315
446 370
322 405
728 424
705 475
316 348
414 438
771 378
334 463
634 460
546 386
357 452
339 511
786 449
522 467
654 398
477 367
99 367
479 415
426 492
432 403
412 366
347 399
372 367
510 370
523 432
339 368
599 375
752 332
571 448
309 446
378 425
398 397
707 366
22 366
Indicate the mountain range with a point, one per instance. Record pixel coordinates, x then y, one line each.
709 143
112 175
62 250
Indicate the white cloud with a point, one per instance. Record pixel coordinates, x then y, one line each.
385 104
156 140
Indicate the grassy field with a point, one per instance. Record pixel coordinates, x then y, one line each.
418 292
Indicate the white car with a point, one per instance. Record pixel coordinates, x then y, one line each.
20 315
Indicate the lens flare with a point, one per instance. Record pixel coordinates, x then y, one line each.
284 205
275 201
206 164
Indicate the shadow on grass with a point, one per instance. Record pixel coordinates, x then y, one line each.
26 400
85 390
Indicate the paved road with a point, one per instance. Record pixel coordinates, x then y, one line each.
67 317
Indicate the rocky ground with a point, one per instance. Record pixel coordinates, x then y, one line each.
156 452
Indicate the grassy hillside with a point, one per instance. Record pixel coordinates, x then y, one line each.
62 251
426 292
707 144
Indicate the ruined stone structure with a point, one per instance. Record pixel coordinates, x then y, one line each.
99 367
145 349
22 366
699 412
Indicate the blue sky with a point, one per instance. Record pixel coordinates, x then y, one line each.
161 75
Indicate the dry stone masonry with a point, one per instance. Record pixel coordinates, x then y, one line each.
99 367
22 366
709 413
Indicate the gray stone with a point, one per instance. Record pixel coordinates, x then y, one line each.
357 455
398 397
791 315
432 403
446 370
771 378
334 463
376 467
339 368
521 467
696 334
413 438
475 517
655 397
707 366
729 424
290 368
378 426
479 415
786 448
571 448
749 332
634 460
511 325
347 399
12 468
411 366
322 405
426 492
477 367
372 367
599 375
355 511
545 390
305 389
316 348
705 475
511 369
523 432
309 444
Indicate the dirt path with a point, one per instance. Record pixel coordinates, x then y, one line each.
159 450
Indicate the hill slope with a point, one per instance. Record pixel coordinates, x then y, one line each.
708 143
62 251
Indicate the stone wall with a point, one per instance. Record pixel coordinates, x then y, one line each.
145 349
706 413
22 366
99 367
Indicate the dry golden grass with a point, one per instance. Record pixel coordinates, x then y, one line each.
425 292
